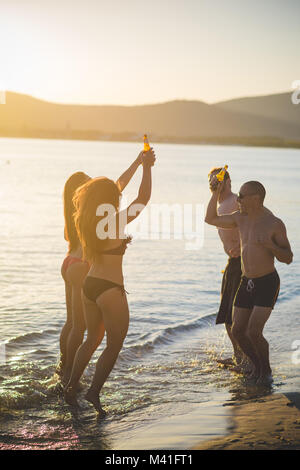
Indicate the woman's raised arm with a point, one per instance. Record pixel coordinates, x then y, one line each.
144 194
124 179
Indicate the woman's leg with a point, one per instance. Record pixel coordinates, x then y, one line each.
95 333
114 307
65 330
75 275
76 334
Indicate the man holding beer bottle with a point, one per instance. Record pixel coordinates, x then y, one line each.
227 203
263 238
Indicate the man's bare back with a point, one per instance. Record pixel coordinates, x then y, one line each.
227 203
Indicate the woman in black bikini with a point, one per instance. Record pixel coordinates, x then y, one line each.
104 295
74 271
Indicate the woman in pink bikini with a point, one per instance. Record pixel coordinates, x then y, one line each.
74 271
104 296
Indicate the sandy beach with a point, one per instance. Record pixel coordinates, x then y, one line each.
268 423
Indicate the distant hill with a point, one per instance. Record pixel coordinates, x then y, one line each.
277 106
261 119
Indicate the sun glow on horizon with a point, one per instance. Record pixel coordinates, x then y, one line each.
88 54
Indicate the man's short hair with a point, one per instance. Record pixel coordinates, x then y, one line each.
217 170
257 188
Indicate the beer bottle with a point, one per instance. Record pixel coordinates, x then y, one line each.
221 174
146 143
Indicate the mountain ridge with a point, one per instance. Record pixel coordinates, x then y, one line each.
267 117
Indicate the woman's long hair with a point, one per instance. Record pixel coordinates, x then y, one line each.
86 200
72 183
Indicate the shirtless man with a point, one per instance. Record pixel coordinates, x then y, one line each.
263 238
227 203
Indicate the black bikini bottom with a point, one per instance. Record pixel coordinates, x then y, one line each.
93 287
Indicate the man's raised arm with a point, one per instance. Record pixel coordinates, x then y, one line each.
212 217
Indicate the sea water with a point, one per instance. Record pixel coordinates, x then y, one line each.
168 362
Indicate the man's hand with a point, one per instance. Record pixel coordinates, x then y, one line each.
265 240
235 252
215 185
282 252
148 158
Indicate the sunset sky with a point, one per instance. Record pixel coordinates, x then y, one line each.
134 52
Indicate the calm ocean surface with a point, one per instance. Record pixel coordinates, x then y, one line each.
168 363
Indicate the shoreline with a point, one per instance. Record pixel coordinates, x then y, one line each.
268 423
227 142
192 423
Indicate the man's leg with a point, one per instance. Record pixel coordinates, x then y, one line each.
239 329
237 352
256 324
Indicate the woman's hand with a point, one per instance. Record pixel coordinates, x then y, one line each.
140 157
148 158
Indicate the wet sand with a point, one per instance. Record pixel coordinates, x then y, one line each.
268 423
188 425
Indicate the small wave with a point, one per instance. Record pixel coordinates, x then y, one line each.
166 336
26 386
290 295
15 400
29 337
